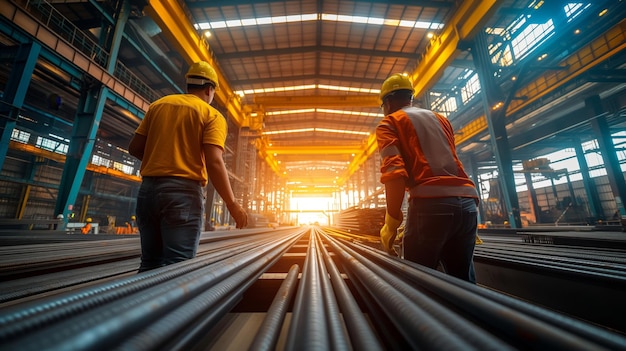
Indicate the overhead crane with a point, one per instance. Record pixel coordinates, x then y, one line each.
173 20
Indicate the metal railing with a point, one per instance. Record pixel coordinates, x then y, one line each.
61 26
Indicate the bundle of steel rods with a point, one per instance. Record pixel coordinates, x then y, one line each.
348 296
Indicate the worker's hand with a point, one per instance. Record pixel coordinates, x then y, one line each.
400 233
239 214
388 233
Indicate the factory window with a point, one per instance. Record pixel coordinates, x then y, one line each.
572 10
530 37
123 168
100 161
20 135
471 88
444 104
501 54
52 145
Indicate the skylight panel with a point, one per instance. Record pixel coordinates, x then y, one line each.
289 112
306 130
339 131
526 41
248 22
352 113
315 16
289 131
233 23
242 93
322 110
572 10
264 20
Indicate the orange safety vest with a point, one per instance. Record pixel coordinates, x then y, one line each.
418 145
86 228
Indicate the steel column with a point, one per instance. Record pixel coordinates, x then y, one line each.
608 153
86 121
15 92
496 120
593 199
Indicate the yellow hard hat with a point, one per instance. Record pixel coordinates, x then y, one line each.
133 218
200 73
395 82
88 220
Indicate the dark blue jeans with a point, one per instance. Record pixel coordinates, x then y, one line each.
169 218
442 230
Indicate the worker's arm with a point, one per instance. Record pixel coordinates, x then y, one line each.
394 194
137 146
219 178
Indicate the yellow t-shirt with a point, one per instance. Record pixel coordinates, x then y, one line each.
176 127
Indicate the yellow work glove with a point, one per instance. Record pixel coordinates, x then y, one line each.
400 233
388 233
479 241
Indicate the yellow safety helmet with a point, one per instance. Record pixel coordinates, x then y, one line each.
395 82
200 73
88 220
132 218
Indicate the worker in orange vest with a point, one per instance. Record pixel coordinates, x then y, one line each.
133 224
418 157
87 227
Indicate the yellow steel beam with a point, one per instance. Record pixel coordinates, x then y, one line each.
261 146
312 192
313 150
34 150
370 147
467 19
290 102
317 181
606 45
174 23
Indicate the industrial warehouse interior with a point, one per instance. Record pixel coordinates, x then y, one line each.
534 90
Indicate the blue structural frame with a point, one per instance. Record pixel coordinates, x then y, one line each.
15 92
90 109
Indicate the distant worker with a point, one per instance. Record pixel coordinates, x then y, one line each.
180 142
86 229
59 225
418 155
133 224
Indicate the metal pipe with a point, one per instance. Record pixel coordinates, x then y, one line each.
120 315
16 322
411 317
337 333
181 328
481 304
307 330
360 331
267 335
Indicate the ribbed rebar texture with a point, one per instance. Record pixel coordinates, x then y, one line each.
349 296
